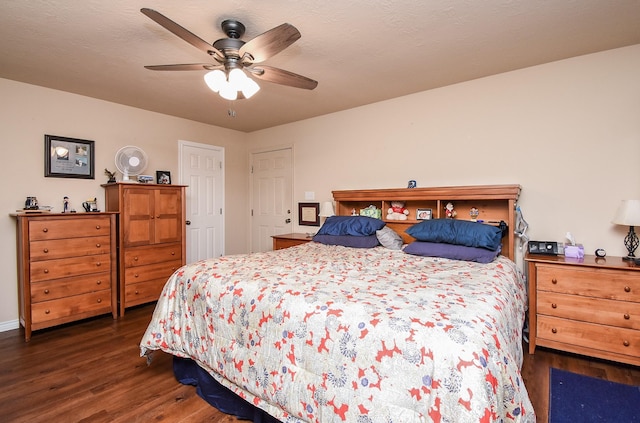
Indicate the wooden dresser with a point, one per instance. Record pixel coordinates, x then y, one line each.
589 306
66 268
151 238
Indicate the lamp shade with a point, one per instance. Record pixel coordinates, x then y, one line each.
327 209
628 213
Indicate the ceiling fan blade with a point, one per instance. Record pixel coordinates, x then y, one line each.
270 43
283 77
181 32
185 67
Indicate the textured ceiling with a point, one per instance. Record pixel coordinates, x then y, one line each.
360 51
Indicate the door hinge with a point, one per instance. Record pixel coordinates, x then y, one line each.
251 212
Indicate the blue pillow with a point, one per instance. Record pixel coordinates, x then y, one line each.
369 241
351 225
451 251
459 232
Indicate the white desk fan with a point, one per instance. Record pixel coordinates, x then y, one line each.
131 161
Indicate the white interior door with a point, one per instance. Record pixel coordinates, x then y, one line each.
202 170
271 197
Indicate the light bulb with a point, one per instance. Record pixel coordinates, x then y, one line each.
237 78
250 88
215 80
228 92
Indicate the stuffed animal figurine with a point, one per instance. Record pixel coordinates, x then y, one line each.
397 211
449 212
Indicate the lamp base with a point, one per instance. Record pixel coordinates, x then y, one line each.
629 258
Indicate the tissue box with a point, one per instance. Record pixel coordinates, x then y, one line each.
574 251
371 211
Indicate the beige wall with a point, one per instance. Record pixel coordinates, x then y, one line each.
568 132
28 112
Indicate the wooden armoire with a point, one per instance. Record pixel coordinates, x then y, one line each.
151 238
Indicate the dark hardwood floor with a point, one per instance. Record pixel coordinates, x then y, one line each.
91 371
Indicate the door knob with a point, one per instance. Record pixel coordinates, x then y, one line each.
287 221
188 222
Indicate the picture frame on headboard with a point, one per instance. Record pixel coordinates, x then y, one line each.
66 157
423 214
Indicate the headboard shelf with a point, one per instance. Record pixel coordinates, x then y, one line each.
495 203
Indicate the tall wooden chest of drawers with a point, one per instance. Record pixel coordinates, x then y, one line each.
589 306
151 238
66 268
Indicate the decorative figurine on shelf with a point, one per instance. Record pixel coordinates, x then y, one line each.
474 212
397 211
449 212
111 175
353 212
66 205
412 184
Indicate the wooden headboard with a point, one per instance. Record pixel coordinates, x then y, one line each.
495 203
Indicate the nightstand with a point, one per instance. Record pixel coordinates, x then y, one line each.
289 240
587 306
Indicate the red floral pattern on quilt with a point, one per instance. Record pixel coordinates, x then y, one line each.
319 333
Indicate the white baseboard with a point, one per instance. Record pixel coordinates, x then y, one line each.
9 325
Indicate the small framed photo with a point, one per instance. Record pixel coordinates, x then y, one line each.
163 177
423 214
68 157
309 214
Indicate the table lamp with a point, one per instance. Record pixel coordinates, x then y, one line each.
628 214
326 210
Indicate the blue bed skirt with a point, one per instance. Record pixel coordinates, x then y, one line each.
188 372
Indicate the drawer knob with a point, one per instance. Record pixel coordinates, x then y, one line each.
46 291
135 258
173 253
135 275
554 281
47 311
98 245
554 330
98 264
46 250
97 226
626 316
626 343
627 289
554 305
46 270
136 292
45 230
99 282
99 300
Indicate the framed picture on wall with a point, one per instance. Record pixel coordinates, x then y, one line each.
68 157
163 177
423 214
309 214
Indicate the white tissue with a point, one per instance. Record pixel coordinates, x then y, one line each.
571 239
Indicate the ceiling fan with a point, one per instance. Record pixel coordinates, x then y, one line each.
232 55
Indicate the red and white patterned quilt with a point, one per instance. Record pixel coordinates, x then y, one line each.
319 333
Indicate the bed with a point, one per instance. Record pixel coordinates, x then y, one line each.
328 333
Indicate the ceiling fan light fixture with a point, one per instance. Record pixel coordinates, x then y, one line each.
250 88
228 92
237 78
215 80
